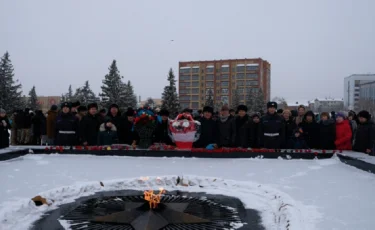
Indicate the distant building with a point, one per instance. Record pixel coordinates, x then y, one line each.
367 91
294 104
45 102
352 87
222 78
327 105
156 101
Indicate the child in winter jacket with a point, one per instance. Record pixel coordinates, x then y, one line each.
297 142
343 133
107 134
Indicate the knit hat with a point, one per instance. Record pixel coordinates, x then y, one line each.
364 114
164 112
76 104
340 114
82 108
242 107
271 104
208 109
130 112
2 111
113 106
54 108
92 105
66 104
255 115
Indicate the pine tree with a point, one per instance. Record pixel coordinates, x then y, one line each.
113 89
10 90
210 99
69 95
85 95
255 101
130 99
235 99
169 96
150 103
33 100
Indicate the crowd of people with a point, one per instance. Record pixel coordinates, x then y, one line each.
75 124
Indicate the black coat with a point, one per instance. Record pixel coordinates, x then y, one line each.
254 135
161 133
242 125
272 131
130 134
39 124
226 132
66 130
327 134
297 143
27 121
119 122
4 134
19 119
89 129
310 133
290 126
107 136
207 133
365 137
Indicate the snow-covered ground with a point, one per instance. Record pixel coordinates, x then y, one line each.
310 194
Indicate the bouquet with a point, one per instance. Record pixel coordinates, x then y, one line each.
184 130
144 125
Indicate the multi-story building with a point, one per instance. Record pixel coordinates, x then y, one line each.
45 102
367 91
327 105
222 78
352 87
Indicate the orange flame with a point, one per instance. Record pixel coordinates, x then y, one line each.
153 199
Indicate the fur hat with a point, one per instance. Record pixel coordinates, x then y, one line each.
364 114
66 104
309 113
54 108
271 104
242 107
225 108
208 109
324 114
280 111
92 105
113 106
82 108
2 111
340 114
164 112
76 104
130 112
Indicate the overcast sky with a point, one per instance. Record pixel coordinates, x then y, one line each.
311 45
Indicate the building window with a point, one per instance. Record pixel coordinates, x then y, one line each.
225 83
185 78
240 76
251 82
209 69
208 90
224 77
195 78
184 98
225 68
240 68
195 84
240 83
209 77
218 98
251 76
185 84
195 105
224 99
195 98
195 91
184 105
224 91
195 69
209 84
251 67
184 91
185 70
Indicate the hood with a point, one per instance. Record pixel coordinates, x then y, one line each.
102 128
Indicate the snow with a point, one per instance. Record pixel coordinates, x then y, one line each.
224 66
196 67
360 156
307 194
185 67
209 66
240 64
252 64
300 102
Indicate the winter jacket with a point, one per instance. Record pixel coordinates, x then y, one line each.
353 126
51 124
161 133
107 136
327 134
226 132
365 137
207 133
119 122
310 133
254 132
89 129
290 126
297 143
66 130
20 119
343 136
4 132
242 138
130 134
272 131
27 121
38 123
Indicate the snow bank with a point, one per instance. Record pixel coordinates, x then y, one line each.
278 210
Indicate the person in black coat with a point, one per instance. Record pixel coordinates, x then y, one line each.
254 131
290 125
327 132
131 136
119 121
207 129
39 127
310 130
4 129
66 127
365 136
272 129
242 124
89 126
226 129
297 141
161 132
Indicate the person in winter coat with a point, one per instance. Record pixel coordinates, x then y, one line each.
290 125
81 112
353 121
4 129
301 114
51 125
20 121
272 129
343 133
114 114
74 109
226 129
207 129
66 127
39 125
242 127
107 133
13 131
131 136
297 141
89 126
161 132
26 132
365 135
254 140
327 132
310 130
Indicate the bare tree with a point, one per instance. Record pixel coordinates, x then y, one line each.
281 102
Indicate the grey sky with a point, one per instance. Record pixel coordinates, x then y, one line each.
311 45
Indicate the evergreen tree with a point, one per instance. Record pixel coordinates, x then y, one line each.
255 101
281 102
130 99
113 89
33 100
68 96
150 103
10 90
169 96
85 95
209 99
235 99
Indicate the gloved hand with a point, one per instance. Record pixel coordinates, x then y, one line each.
210 147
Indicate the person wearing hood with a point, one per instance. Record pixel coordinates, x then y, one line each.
254 131
51 125
161 132
131 137
89 126
297 141
242 127
290 125
66 127
4 129
365 136
272 129
81 112
207 129
114 114
327 132
107 133
310 130
226 129
343 133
